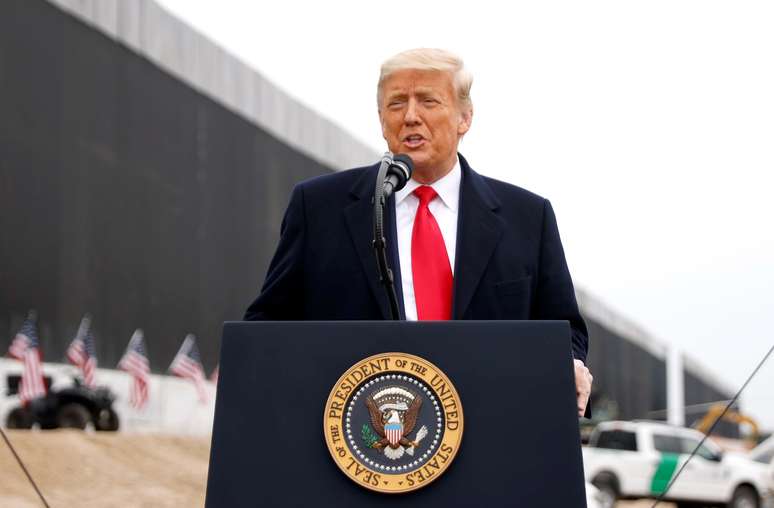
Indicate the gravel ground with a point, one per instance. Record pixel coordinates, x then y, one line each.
88 470
96 470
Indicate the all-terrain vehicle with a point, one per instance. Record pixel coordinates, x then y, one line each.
73 407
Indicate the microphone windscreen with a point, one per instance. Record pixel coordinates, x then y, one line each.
406 160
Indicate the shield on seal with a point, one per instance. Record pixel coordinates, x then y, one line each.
393 431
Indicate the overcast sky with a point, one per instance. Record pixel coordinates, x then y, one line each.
649 126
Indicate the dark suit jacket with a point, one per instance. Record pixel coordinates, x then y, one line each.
509 263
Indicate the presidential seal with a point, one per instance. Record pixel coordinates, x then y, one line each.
393 422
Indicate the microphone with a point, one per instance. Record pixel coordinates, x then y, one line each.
394 172
398 174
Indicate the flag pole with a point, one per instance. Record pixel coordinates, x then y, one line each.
163 408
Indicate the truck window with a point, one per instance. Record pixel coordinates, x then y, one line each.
617 440
689 444
667 444
764 457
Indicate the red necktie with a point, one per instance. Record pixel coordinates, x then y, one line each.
430 267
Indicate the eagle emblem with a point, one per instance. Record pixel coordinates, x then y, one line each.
393 413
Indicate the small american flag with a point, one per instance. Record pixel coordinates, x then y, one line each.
82 353
22 339
25 348
188 364
135 362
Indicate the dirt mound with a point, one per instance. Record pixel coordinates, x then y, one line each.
74 468
97 470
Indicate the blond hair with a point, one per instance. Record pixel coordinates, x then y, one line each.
429 59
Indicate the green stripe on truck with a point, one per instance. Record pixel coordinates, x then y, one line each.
664 471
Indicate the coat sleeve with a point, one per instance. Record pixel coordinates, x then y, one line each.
555 295
281 297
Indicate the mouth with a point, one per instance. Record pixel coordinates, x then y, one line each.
413 140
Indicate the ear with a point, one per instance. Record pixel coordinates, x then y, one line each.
465 120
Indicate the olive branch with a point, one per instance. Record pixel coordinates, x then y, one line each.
368 435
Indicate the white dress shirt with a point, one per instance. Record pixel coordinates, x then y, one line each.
444 208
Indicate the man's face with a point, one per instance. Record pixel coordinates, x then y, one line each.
421 117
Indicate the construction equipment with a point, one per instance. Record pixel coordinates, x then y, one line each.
731 415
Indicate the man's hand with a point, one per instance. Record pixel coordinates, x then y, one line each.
583 379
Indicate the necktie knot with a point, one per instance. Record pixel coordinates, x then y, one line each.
425 193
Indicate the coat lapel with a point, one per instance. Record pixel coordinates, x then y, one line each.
393 255
479 230
359 220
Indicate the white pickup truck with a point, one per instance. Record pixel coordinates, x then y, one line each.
633 460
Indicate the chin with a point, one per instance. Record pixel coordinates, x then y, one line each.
418 158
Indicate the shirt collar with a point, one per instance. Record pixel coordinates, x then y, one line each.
448 188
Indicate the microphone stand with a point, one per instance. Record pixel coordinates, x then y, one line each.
380 243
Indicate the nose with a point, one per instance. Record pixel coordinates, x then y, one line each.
412 115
